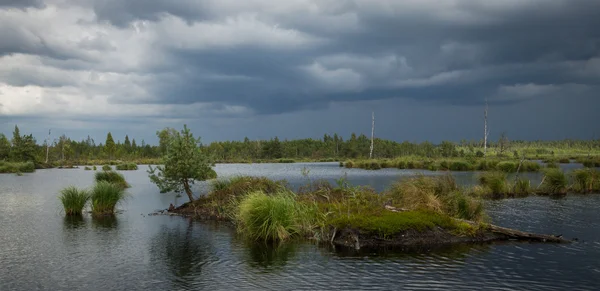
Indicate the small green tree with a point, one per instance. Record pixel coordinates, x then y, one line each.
184 164
4 147
110 146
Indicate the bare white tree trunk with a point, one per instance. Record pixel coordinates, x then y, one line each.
48 145
485 128
372 135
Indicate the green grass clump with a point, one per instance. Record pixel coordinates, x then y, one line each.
127 167
495 182
112 177
387 223
522 188
438 194
552 165
94 168
507 167
73 200
585 180
460 166
530 166
486 165
274 218
105 196
106 168
554 182
564 160
349 164
10 167
286 161
87 168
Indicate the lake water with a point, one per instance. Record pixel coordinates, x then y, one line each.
42 250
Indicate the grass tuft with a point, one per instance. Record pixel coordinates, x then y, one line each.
73 200
106 168
112 177
127 167
274 218
105 196
554 182
585 180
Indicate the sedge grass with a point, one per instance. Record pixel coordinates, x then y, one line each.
73 200
105 196
112 177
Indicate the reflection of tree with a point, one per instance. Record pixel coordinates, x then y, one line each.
106 221
183 253
268 255
73 222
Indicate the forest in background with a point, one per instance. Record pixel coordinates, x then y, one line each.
64 150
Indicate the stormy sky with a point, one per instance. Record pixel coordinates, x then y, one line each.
301 68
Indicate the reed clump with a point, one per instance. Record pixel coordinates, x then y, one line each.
73 200
106 168
555 182
112 177
105 196
585 180
274 218
127 167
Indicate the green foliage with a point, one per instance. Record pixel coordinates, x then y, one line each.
585 180
184 164
87 168
105 196
439 194
110 146
554 182
106 168
552 165
94 168
4 147
112 177
495 181
507 167
564 160
73 200
127 167
277 217
522 188
286 161
16 167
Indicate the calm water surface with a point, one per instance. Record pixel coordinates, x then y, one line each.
42 250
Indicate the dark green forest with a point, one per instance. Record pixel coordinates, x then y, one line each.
24 147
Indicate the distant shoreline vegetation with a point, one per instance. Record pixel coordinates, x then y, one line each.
18 153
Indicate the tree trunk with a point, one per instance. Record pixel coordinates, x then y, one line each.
188 190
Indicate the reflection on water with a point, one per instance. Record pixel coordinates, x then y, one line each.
73 222
269 256
105 221
41 249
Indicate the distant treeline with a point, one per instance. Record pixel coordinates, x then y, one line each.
23 148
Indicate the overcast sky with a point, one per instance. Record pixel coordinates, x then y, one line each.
301 68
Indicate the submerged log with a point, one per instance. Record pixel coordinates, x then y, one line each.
520 235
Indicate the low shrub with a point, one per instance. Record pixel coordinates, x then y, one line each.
87 168
10 167
106 168
495 181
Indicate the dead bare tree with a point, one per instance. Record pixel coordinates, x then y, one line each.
485 128
372 135
48 145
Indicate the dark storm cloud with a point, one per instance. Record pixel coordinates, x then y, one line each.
304 57
490 47
21 3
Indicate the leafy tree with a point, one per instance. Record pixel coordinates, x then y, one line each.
184 164
4 147
164 137
110 146
127 144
